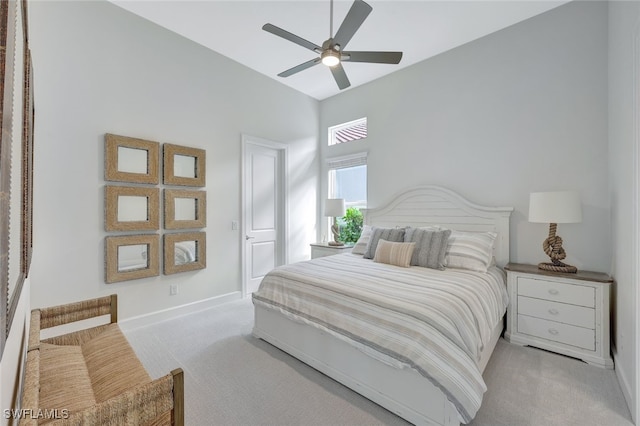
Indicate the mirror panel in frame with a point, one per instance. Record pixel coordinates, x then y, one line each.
184 166
131 257
185 252
185 209
16 159
131 208
131 160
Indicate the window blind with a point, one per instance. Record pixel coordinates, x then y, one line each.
344 161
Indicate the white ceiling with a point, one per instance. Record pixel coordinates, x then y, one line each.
419 28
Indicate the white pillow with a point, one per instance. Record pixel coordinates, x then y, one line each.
470 250
431 228
361 246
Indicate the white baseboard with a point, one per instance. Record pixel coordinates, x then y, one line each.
624 382
177 311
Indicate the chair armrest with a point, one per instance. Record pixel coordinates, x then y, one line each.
178 397
140 405
34 330
31 388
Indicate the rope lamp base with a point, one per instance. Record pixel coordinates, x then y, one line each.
557 268
335 230
552 246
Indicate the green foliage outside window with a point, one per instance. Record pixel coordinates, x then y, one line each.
350 226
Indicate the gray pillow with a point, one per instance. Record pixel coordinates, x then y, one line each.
431 247
395 235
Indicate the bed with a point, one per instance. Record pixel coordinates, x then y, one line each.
427 373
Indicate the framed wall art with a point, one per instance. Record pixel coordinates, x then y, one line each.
16 159
131 160
131 208
185 209
184 166
185 252
131 257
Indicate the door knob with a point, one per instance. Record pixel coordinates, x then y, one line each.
246 237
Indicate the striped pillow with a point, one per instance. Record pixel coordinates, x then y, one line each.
398 254
431 246
361 246
470 250
395 235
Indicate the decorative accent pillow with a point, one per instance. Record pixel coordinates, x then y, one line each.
361 246
398 254
431 246
395 235
470 250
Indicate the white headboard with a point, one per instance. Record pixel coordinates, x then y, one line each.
434 205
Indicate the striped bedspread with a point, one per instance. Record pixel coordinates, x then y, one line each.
437 322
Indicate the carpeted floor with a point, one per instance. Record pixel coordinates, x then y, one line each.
232 378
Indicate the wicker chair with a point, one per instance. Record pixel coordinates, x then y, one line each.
92 376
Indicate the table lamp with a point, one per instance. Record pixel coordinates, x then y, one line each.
334 207
553 208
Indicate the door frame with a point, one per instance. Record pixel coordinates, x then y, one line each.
282 250
635 272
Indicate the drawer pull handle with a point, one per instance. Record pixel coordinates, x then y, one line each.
553 311
553 291
553 331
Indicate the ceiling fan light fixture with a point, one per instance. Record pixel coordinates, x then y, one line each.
330 58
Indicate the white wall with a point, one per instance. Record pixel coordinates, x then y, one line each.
624 103
99 69
521 110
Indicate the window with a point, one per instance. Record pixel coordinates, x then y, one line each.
347 178
348 132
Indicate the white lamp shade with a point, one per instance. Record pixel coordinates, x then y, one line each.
334 207
555 207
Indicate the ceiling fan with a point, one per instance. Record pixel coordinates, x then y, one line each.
332 52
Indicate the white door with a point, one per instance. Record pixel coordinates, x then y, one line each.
264 210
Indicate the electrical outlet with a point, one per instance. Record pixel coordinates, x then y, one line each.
234 225
173 289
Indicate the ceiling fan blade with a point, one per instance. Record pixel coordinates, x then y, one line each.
291 37
340 76
374 57
303 66
355 17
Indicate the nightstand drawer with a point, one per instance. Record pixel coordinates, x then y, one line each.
563 333
559 312
556 291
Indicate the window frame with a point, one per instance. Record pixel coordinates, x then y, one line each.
342 162
332 140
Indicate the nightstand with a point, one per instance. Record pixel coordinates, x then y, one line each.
324 249
560 312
